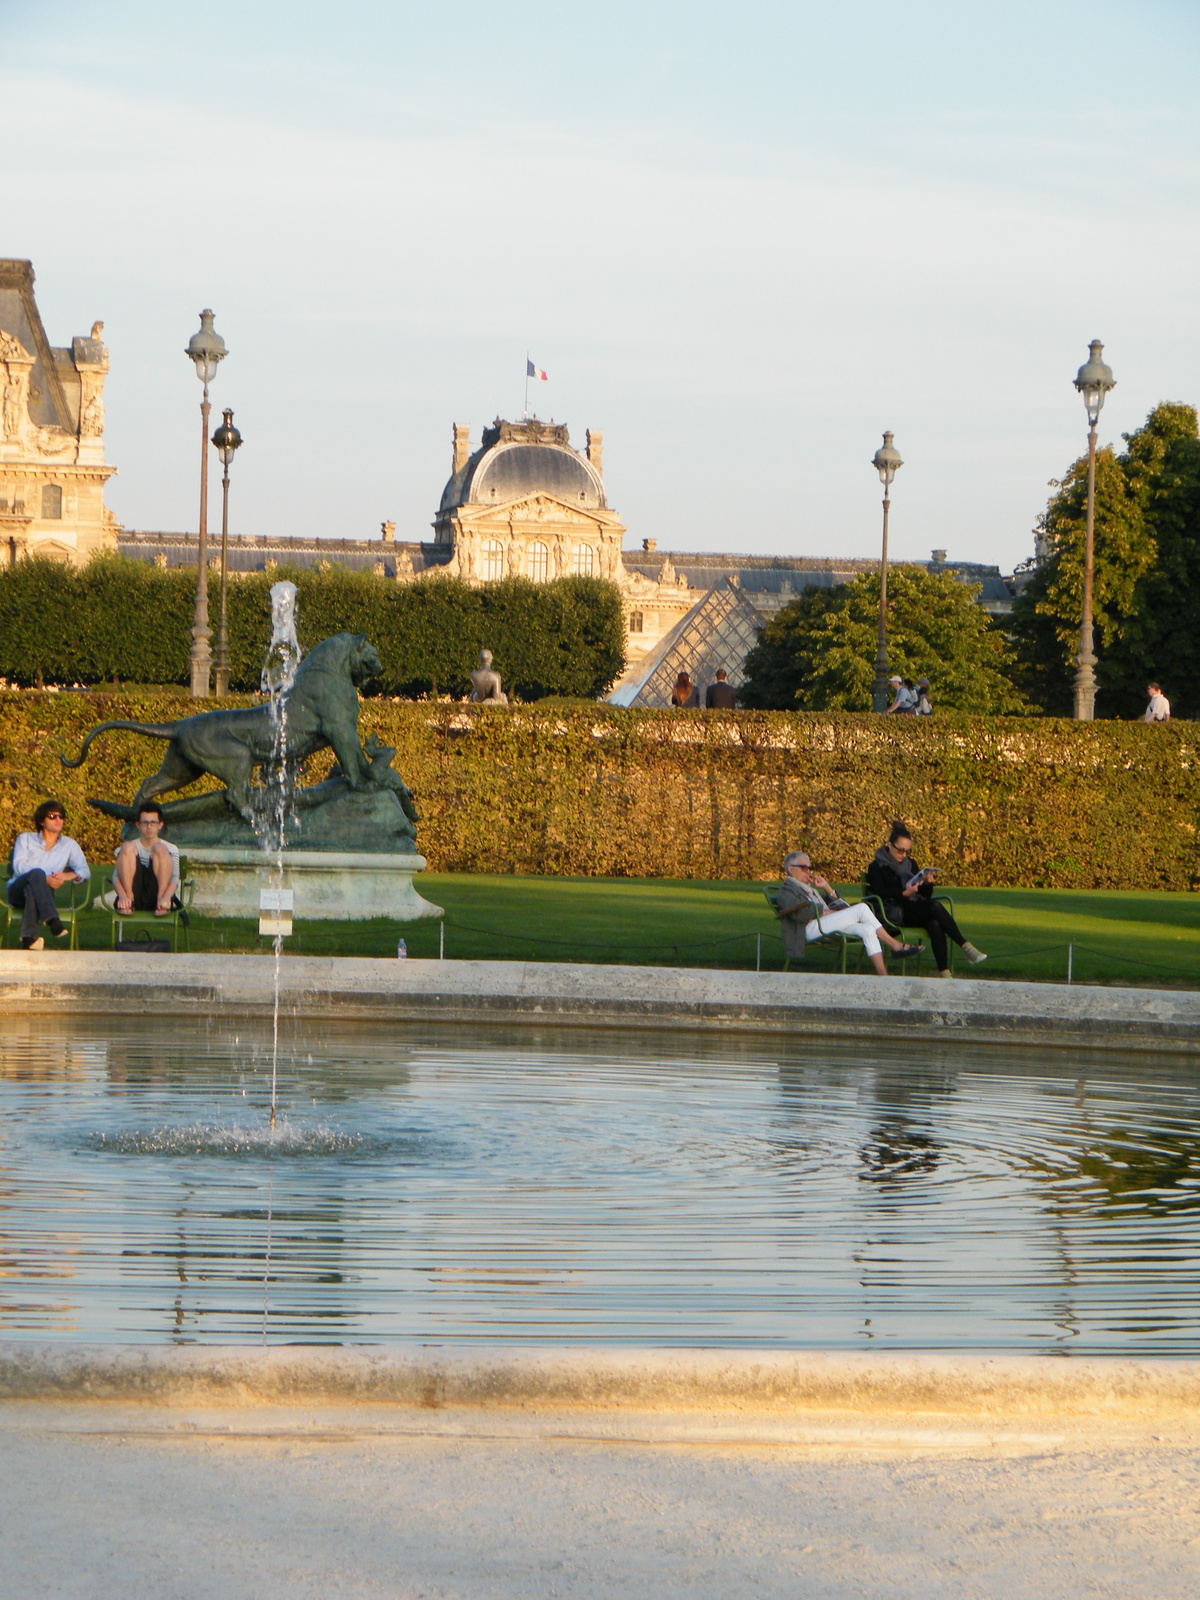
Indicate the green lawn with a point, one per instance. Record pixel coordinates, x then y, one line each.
1115 937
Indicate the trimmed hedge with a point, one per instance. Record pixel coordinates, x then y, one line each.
596 791
123 621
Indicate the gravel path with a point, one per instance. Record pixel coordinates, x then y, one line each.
98 1501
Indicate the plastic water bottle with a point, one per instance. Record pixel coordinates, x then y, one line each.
402 951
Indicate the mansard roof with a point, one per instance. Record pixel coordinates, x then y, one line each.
517 459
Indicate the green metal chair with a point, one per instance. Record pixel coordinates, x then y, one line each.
909 935
150 919
771 896
70 898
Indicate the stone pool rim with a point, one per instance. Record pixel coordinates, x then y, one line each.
560 994
604 1379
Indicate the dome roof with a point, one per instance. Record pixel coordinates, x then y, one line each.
518 459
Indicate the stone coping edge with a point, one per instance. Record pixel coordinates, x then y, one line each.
223 856
771 1381
561 994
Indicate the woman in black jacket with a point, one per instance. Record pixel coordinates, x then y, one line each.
907 896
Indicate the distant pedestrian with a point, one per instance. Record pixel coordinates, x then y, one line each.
905 702
685 693
924 706
721 695
1159 709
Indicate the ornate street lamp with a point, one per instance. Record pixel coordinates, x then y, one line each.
227 439
207 349
887 463
1094 380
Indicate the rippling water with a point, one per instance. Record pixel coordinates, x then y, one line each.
541 1186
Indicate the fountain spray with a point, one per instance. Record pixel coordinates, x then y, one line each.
278 676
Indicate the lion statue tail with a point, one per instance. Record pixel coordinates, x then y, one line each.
152 730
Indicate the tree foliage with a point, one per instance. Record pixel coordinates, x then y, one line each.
1146 573
818 653
119 620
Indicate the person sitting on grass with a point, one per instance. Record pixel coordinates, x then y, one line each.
41 862
907 895
147 872
809 909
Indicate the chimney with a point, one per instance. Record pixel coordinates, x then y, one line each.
595 444
939 555
649 545
462 449
388 532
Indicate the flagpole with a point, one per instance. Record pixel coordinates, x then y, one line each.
525 418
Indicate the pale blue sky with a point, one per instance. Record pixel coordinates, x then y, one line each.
742 240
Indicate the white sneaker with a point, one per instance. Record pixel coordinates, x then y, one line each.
37 944
973 956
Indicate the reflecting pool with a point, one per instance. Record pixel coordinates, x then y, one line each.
552 1186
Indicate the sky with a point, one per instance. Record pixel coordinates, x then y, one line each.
742 240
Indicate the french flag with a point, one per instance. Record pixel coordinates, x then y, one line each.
534 372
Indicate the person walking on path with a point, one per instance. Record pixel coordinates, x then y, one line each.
924 706
1159 709
41 862
907 895
685 694
809 909
905 702
721 695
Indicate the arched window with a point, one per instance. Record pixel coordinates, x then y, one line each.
51 501
539 558
585 561
493 560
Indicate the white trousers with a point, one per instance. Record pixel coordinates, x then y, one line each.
859 921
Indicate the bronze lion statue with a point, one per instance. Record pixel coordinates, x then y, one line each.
322 710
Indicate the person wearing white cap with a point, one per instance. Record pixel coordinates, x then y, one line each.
905 702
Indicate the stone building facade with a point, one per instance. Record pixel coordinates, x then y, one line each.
526 503
52 469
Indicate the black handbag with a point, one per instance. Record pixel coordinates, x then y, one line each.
144 945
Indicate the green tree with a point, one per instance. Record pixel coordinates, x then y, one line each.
818 654
1146 583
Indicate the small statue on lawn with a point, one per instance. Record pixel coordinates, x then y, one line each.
486 683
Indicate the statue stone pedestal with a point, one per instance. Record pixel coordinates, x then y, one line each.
327 885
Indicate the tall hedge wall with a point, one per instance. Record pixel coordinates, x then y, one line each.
123 621
602 792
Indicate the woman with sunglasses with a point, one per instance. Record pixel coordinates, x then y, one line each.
907 895
41 861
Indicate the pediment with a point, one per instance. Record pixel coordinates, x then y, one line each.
533 511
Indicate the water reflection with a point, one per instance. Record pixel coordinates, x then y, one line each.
538 1186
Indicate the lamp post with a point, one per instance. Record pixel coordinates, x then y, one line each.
1094 380
207 349
227 439
887 463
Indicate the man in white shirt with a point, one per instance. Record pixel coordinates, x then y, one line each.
1159 709
41 862
147 872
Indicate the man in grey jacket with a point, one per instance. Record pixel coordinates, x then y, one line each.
809 909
